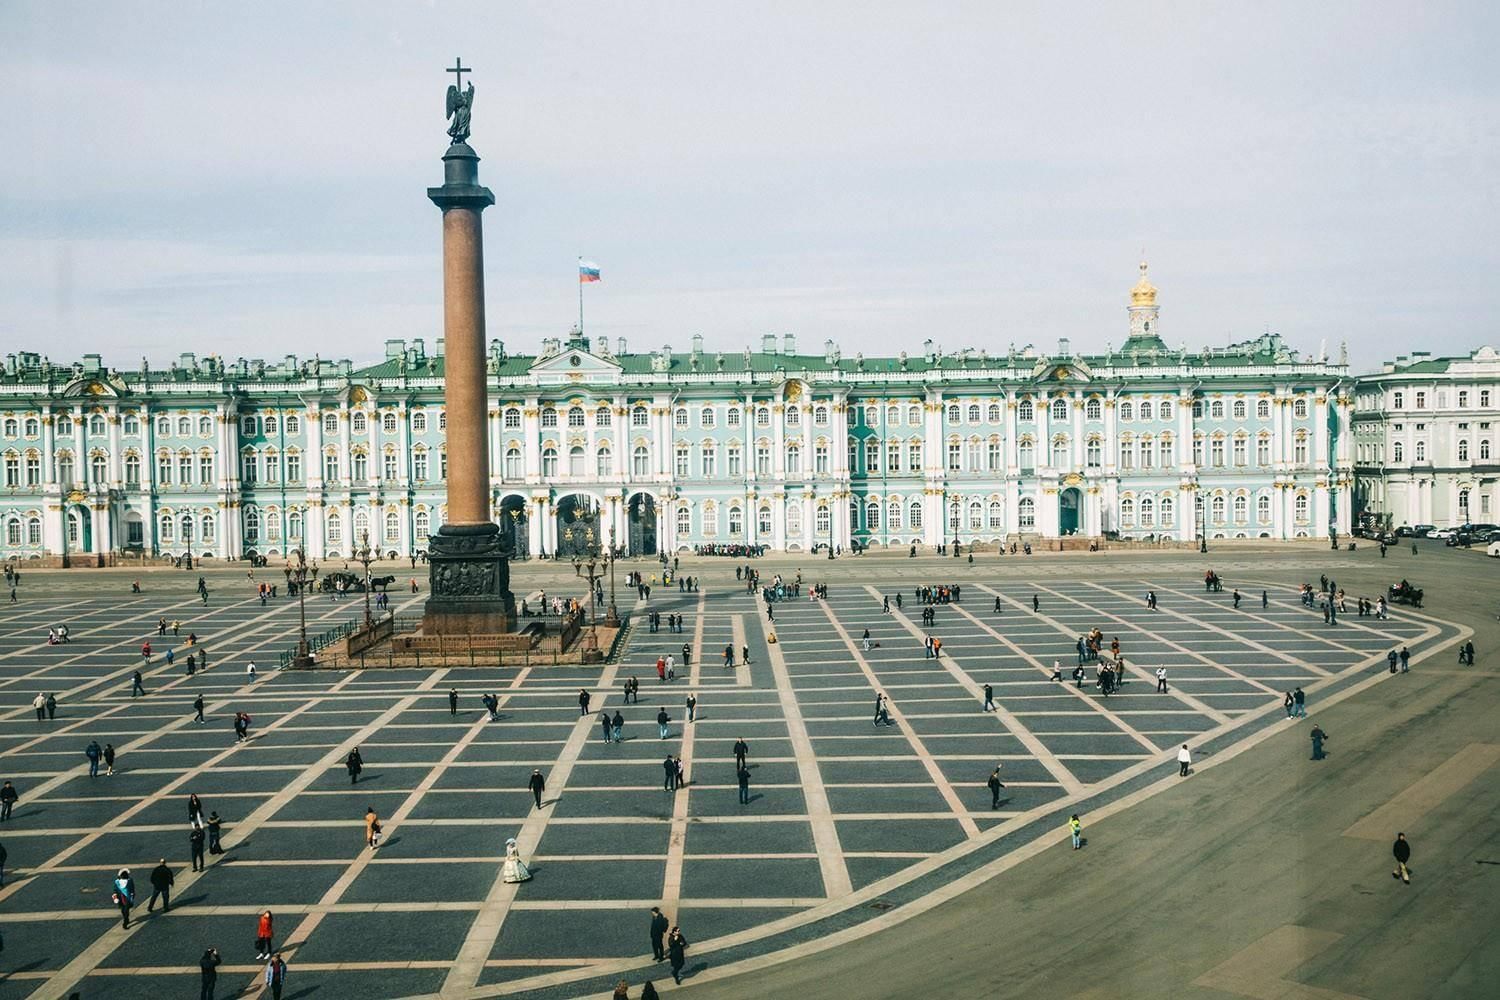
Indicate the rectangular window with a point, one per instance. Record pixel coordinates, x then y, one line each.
955 456
1217 450
762 460
247 469
682 463
294 468
736 460
1241 449
914 456
710 462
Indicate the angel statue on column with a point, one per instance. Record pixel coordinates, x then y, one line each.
460 102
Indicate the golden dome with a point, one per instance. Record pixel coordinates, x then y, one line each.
1144 293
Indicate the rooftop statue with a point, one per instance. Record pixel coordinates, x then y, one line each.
460 103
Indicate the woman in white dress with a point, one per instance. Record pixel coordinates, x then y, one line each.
515 869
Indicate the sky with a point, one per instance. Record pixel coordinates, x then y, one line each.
249 179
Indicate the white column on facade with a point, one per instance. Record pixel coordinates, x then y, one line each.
116 464
1042 455
1184 443
346 453
778 444
778 518
531 430
534 536
1077 436
49 453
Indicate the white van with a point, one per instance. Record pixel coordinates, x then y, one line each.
1493 550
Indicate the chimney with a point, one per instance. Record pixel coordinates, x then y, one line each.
619 347
697 344
438 351
394 348
789 344
768 344
1064 348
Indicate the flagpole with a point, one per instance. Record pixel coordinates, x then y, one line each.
580 297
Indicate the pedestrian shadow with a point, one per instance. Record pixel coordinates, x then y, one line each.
306 992
365 781
191 900
394 840
755 798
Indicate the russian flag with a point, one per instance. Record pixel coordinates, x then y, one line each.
587 271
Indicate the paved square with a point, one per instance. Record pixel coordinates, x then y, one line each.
842 811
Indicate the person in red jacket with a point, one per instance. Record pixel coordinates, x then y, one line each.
263 935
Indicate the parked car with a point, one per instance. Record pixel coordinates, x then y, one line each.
1389 538
1493 550
1458 538
1441 533
1423 530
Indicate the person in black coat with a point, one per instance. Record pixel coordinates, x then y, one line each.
677 953
161 885
538 785
659 928
1401 849
209 967
354 764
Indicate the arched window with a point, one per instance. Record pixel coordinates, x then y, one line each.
763 417
361 467
132 469
1168 512
575 417
953 413
419 465
973 414
361 526
914 515
392 527
640 461
1263 409
252 524
1061 457
166 530
1027 455
1024 411
893 515
576 460
680 417
603 416
1421 451
822 519
1059 409
96 425
1300 507
1241 509
706 417
13 531
997 516
684 520
992 413
639 417
1092 410
132 424
1127 513
293 425
793 459
763 521
388 422
1148 512
1263 508
1145 413
1026 514
1463 450
1239 409
736 521
1164 411
273 526
1093 453
1299 408
1216 509
513 468
1484 450
1127 411
549 462
422 524
604 462
549 417
512 418
98 469
1397 451
914 415
334 528
872 516
1216 409
359 423
955 516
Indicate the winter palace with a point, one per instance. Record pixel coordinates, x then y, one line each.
654 452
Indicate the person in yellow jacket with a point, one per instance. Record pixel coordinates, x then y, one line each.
1075 827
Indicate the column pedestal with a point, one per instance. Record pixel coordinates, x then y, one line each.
469 573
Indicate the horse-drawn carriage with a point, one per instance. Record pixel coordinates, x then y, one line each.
353 582
1405 593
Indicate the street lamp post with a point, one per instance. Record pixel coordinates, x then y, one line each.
589 566
304 655
612 616
1202 522
364 558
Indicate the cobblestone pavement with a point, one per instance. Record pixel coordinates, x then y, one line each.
846 818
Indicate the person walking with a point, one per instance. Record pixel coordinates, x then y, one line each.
208 971
1036 603
677 953
354 763
1405 660
989 698
195 810
605 724
196 838
995 784
198 709
93 753
8 798
1161 680
1184 761
250 672
538 785
1318 736
1299 703
3 855
742 774
453 701
1289 703
692 708
1151 600
662 718
661 670
372 835
669 774
1075 828
741 751
1401 849
1390 659
124 895
583 703
161 885
276 976
109 760
1265 600
52 698
618 725
136 687
40 704
659 928
264 925
215 827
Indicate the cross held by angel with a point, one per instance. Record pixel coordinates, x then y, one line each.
460 103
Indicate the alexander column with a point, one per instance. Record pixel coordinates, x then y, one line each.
469 572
